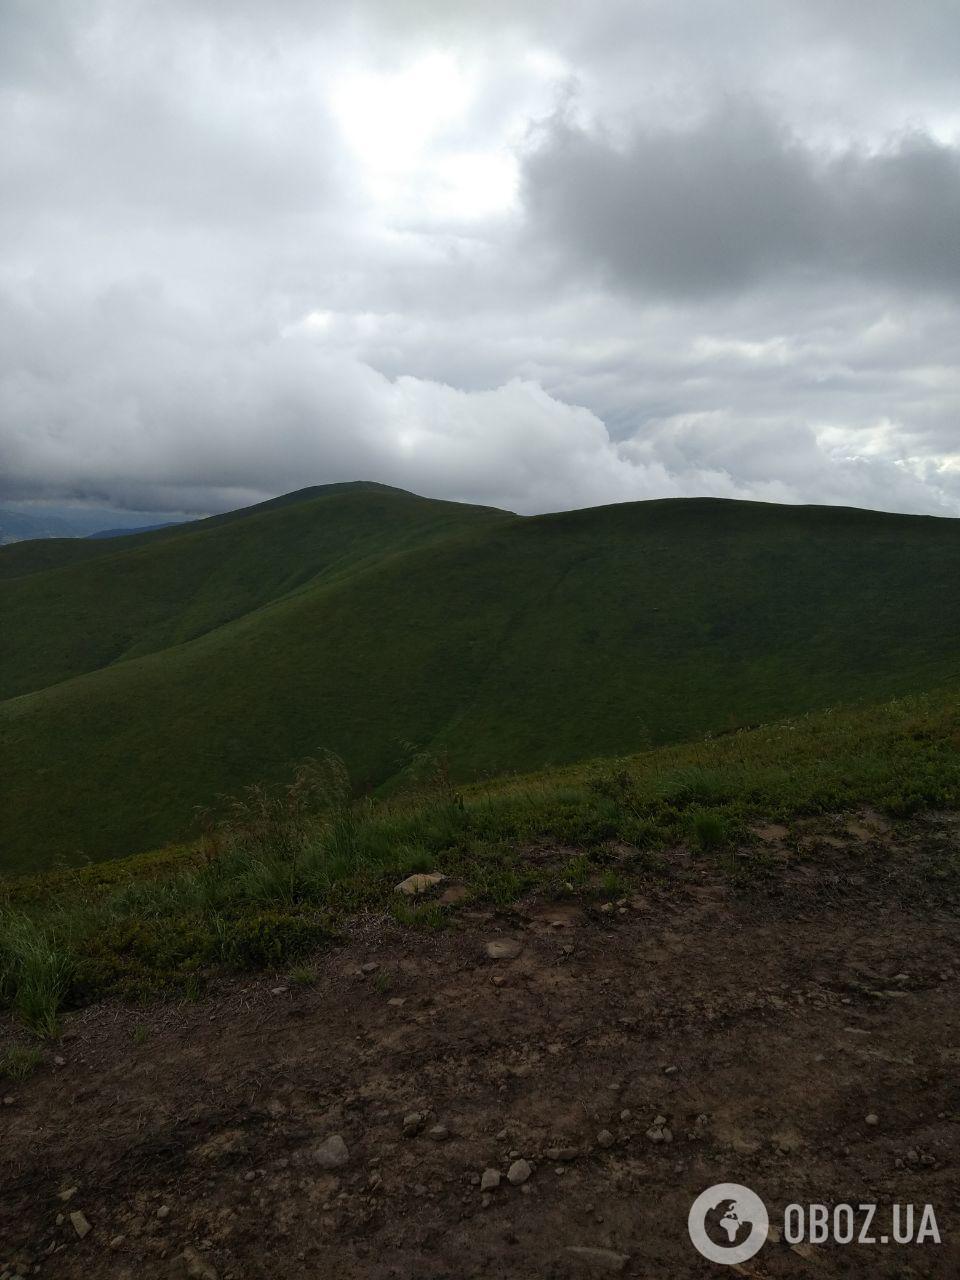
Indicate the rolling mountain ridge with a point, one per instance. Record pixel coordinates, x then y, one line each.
146 674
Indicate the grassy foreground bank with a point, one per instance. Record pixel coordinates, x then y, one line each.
280 871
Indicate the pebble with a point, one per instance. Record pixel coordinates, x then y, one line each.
333 1153
371 966
419 883
626 1115
439 1133
67 1194
872 1119
279 991
605 1138
116 1242
490 1179
80 1224
670 1071
518 1172
561 1153
59 1062
397 1001
413 1123
194 1267
163 1212
9 1100
504 949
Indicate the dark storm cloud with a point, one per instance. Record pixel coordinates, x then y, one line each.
248 247
736 200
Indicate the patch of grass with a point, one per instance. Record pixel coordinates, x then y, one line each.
301 976
277 877
140 1034
710 828
19 1061
36 969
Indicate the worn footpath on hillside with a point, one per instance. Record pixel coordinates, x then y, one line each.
416 1106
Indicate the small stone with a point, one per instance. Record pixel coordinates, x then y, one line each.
60 1219
660 1121
371 966
67 1194
504 948
518 1172
498 980
606 908
872 1119
413 1123
116 1242
605 1138
58 1061
490 1179
397 1001
193 1267
626 1115
249 1176
419 883
439 1133
80 1224
163 1212
598 1259
333 1153
9 1100
279 991
670 1071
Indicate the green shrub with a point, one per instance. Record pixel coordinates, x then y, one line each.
269 939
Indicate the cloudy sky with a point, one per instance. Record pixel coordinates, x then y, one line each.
514 252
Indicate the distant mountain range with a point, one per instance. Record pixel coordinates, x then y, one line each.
20 526
143 675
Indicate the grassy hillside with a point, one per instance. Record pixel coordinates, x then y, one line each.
137 594
288 869
201 659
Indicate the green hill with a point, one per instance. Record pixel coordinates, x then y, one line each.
166 667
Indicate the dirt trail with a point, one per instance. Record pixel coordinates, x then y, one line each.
632 1056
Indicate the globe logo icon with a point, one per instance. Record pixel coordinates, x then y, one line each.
728 1223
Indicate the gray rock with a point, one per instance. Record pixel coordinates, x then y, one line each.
490 1179
413 1123
504 948
371 966
518 1172
191 1266
419 883
80 1224
163 1212
439 1133
605 1138
598 1259
333 1153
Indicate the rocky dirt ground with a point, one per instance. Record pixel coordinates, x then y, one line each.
423 1108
